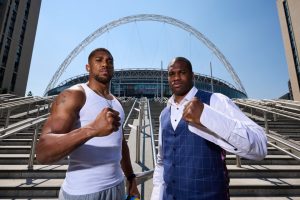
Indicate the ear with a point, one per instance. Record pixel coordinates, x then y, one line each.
87 67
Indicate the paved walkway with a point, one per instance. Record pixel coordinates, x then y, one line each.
145 143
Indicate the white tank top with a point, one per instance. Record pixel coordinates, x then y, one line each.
95 165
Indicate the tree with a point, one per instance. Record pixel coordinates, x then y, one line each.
29 94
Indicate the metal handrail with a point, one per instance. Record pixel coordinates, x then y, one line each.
270 106
142 177
285 151
6 132
128 116
34 122
281 143
24 102
152 135
266 110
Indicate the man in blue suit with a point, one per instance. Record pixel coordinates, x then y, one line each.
196 128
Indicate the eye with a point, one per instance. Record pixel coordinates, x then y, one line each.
110 61
171 74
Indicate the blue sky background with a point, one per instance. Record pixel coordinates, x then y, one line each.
246 32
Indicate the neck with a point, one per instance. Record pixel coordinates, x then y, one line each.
178 99
100 89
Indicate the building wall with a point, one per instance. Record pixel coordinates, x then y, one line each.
18 24
289 16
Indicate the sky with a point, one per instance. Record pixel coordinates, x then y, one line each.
246 32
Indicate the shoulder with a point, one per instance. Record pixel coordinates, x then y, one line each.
204 96
221 101
220 97
73 98
164 111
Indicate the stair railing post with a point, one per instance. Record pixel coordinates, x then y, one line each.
138 133
28 110
238 161
275 117
33 145
7 118
266 122
138 144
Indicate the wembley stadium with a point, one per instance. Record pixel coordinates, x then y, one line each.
151 83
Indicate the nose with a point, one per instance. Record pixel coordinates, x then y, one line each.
104 64
177 76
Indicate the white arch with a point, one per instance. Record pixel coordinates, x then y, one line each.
144 17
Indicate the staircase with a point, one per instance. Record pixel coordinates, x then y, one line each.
275 177
278 175
17 179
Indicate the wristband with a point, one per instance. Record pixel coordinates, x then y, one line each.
132 198
131 176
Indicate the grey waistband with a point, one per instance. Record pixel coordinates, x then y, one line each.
114 193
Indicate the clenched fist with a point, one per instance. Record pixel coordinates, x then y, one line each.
193 111
107 122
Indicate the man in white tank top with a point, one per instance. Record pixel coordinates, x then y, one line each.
85 124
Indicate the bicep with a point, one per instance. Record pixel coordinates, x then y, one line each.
64 113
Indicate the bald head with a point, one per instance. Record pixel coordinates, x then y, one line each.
181 59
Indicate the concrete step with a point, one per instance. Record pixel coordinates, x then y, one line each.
46 198
264 187
264 171
23 149
38 171
16 142
21 159
269 159
26 188
266 198
246 171
39 188
23 135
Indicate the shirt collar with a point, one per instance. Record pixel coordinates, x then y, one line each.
187 97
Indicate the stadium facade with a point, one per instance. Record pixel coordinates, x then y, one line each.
151 83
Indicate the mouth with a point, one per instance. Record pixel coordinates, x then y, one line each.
104 72
176 85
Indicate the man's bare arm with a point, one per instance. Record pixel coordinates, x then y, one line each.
127 169
58 139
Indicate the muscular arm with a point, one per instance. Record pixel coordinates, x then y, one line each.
58 138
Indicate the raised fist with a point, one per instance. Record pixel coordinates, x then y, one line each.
192 111
107 122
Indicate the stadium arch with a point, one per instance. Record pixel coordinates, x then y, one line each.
145 17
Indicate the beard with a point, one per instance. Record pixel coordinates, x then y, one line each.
103 80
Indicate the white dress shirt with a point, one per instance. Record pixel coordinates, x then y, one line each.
226 126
